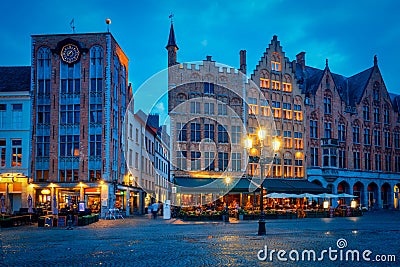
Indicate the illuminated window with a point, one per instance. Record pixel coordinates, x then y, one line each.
3 152
253 170
264 83
16 149
288 168
277 168
265 110
275 62
276 109
276 85
298 140
276 66
298 169
298 115
287 87
253 108
69 145
287 139
287 111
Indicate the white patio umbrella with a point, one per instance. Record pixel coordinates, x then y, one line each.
30 210
55 204
344 195
326 195
308 195
3 205
275 195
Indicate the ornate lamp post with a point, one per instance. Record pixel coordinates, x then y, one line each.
262 161
227 182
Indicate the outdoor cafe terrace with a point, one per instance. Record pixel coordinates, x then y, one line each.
288 198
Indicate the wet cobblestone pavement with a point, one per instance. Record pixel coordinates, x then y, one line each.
142 242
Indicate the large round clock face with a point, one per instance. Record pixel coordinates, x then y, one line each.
70 53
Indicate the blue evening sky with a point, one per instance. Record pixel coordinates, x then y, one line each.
348 33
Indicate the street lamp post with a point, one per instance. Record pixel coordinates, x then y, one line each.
227 182
262 161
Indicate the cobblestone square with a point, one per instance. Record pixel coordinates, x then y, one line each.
140 241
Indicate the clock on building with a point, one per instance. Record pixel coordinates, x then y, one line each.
70 53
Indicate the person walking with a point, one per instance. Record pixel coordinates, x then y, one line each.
149 211
154 208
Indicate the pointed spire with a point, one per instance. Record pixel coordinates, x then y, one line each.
375 60
326 63
171 39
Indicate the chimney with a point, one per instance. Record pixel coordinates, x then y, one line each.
301 59
208 58
243 65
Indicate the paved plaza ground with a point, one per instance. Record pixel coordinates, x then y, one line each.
139 241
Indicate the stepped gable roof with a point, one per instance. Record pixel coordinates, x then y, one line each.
15 79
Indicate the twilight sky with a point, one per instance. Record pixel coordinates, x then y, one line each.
348 33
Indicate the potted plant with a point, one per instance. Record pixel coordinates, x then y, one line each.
241 213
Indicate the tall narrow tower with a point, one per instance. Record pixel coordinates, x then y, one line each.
172 47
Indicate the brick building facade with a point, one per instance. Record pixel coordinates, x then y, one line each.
80 93
353 140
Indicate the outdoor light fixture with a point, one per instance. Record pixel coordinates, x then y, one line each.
353 204
262 134
227 182
326 204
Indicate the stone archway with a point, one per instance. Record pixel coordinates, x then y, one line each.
373 195
317 182
386 196
343 187
358 190
396 198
